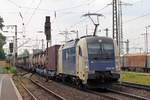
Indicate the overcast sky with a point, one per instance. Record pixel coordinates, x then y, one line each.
69 17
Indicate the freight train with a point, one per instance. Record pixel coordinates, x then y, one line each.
88 61
136 62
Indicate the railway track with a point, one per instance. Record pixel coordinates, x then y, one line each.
117 95
127 94
37 83
113 94
135 85
30 93
48 90
102 94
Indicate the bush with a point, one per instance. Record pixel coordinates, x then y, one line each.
10 70
13 70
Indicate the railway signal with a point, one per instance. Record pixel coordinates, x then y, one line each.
11 46
48 38
48 28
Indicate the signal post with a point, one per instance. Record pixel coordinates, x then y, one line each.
48 39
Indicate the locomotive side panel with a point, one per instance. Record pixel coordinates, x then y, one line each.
68 58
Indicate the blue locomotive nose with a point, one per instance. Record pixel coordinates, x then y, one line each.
102 65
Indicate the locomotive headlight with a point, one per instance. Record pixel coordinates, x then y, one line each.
86 67
118 68
100 41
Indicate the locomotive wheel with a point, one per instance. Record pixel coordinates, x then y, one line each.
79 84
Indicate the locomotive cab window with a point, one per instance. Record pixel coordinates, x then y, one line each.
100 50
108 50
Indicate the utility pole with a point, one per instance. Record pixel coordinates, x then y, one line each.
42 44
65 34
120 24
127 46
86 29
115 20
146 39
76 32
140 50
15 47
106 31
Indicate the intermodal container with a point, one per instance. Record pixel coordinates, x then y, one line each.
135 60
52 57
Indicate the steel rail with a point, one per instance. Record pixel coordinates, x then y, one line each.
48 90
136 85
127 94
29 91
103 95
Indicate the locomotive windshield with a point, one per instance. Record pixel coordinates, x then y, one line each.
100 50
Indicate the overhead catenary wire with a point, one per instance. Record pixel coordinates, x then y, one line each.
136 18
14 3
102 8
85 19
34 12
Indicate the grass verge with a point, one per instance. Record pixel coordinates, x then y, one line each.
141 78
9 70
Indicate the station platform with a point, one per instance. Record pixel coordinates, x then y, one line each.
8 90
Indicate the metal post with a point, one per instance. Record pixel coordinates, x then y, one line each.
42 44
15 47
14 51
47 62
146 41
115 21
77 34
16 41
106 32
127 46
140 50
86 29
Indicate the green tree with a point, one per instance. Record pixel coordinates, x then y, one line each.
2 54
2 40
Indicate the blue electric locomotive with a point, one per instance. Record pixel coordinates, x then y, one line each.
88 60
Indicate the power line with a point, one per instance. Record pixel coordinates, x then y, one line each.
133 19
85 19
32 2
102 8
14 3
34 12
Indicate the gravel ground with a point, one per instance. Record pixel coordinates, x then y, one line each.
67 92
